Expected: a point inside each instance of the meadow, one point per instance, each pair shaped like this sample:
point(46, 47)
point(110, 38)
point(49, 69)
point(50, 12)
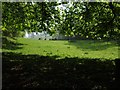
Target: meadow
point(75, 64)
point(66, 48)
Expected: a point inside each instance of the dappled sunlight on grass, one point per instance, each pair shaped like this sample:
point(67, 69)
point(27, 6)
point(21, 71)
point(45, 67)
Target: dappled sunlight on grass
point(37, 71)
point(64, 48)
point(59, 64)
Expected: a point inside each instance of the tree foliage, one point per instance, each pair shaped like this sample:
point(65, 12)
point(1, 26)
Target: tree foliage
point(80, 19)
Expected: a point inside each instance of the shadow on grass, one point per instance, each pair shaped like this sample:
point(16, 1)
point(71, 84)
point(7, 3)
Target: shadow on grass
point(92, 44)
point(35, 71)
point(10, 44)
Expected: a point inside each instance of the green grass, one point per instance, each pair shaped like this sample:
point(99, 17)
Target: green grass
point(64, 48)
point(34, 64)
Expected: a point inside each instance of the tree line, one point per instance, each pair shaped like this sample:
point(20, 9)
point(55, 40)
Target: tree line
point(93, 20)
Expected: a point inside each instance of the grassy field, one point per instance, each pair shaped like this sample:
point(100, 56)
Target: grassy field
point(29, 63)
point(64, 48)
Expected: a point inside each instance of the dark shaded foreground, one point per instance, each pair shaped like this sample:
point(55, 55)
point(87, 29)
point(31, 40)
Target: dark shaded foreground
point(34, 71)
